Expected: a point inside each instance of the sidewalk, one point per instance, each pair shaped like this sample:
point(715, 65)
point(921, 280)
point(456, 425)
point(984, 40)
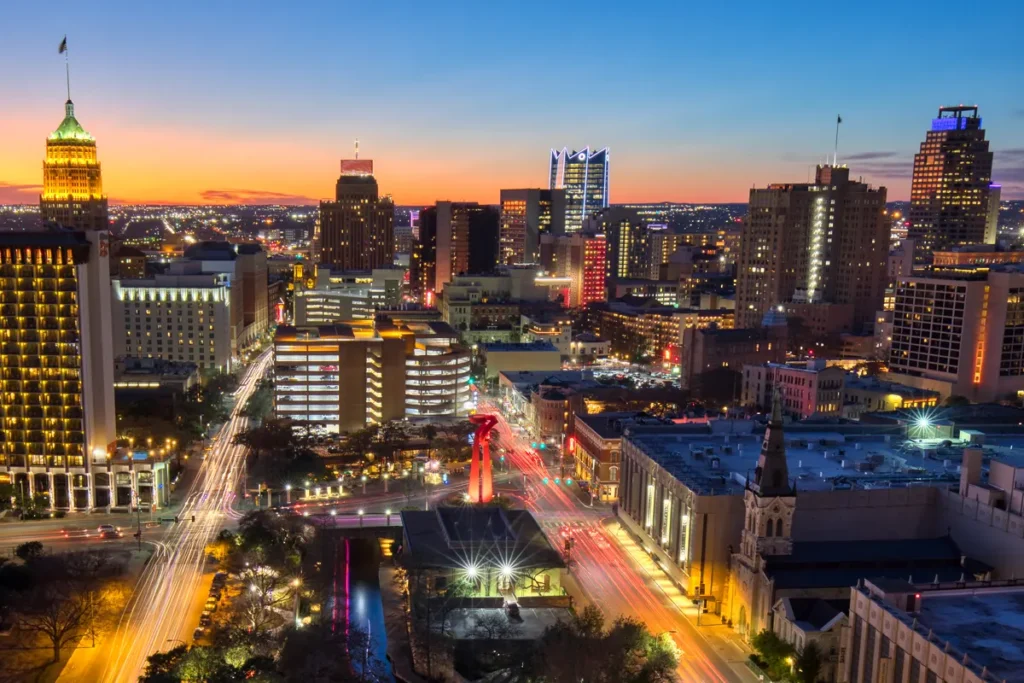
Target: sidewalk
point(726, 643)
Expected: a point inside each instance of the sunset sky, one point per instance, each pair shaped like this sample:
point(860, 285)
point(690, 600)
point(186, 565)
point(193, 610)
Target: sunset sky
point(697, 101)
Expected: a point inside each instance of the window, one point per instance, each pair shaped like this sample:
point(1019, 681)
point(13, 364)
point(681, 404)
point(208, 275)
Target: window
point(770, 530)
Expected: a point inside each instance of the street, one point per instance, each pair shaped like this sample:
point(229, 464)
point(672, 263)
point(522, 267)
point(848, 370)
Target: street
point(616, 575)
point(162, 611)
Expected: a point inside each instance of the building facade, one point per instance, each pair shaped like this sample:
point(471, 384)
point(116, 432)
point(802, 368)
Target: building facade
point(72, 182)
point(176, 318)
point(628, 254)
point(806, 390)
point(950, 193)
point(526, 215)
point(960, 334)
point(823, 242)
point(467, 240)
point(583, 175)
point(423, 260)
point(582, 258)
point(356, 230)
point(57, 403)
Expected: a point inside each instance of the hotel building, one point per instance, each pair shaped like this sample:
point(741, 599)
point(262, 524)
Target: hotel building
point(185, 317)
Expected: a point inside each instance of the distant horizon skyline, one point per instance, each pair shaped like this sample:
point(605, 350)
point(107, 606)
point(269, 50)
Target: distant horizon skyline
point(206, 105)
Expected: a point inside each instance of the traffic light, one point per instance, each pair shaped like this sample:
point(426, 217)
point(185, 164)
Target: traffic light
point(558, 481)
point(533, 444)
point(568, 482)
point(542, 445)
point(471, 381)
point(546, 480)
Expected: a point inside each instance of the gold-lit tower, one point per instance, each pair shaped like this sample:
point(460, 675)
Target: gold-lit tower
point(72, 184)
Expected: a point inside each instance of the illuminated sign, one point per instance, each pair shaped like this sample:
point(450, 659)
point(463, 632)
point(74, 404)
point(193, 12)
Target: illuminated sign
point(357, 167)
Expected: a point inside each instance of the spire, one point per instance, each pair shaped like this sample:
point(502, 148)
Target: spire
point(771, 477)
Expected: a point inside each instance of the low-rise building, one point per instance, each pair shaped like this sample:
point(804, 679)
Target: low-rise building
point(555, 329)
point(870, 394)
point(802, 621)
point(337, 296)
point(807, 388)
point(959, 630)
point(154, 374)
point(705, 350)
point(534, 356)
point(499, 552)
point(587, 347)
point(596, 449)
point(539, 401)
point(665, 292)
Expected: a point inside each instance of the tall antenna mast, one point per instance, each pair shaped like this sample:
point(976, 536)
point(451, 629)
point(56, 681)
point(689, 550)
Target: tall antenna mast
point(357, 148)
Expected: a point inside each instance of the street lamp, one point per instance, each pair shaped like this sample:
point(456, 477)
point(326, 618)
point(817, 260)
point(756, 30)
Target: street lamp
point(363, 479)
point(361, 513)
point(386, 476)
point(388, 513)
point(288, 493)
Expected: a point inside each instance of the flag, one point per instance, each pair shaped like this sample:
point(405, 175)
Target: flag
point(839, 119)
point(63, 46)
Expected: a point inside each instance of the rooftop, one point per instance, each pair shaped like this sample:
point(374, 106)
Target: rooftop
point(453, 537)
point(987, 625)
point(814, 614)
point(70, 130)
point(611, 424)
point(537, 346)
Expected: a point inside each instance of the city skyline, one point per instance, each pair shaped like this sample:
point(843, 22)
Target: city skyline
point(216, 108)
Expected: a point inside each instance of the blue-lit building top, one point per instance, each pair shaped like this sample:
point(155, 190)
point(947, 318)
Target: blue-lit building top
point(584, 177)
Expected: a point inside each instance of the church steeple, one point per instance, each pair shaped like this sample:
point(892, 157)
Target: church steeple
point(771, 477)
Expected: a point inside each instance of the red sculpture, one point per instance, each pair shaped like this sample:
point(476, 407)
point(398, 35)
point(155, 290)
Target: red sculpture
point(481, 486)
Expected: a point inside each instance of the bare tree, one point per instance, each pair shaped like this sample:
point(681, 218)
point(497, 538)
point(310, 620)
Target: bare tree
point(496, 627)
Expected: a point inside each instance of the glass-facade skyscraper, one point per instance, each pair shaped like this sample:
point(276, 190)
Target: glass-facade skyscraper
point(584, 177)
point(950, 192)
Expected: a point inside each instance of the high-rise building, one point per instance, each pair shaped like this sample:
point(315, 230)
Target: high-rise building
point(525, 216)
point(582, 258)
point(663, 243)
point(584, 177)
point(57, 403)
point(960, 332)
point(629, 254)
point(72, 184)
point(822, 243)
point(949, 195)
point(423, 260)
point(467, 240)
point(356, 231)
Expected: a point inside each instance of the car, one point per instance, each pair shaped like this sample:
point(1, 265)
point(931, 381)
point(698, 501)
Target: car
point(211, 605)
point(204, 619)
point(512, 609)
point(108, 535)
point(75, 533)
point(103, 528)
point(198, 633)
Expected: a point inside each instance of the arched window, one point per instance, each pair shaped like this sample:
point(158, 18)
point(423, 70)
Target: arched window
point(778, 527)
point(768, 531)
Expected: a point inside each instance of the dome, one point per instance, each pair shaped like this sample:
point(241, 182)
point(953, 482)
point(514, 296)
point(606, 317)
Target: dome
point(70, 128)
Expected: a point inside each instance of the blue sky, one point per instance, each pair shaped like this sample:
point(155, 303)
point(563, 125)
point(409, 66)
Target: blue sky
point(697, 101)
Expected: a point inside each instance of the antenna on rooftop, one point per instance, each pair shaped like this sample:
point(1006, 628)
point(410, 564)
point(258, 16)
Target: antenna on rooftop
point(357, 148)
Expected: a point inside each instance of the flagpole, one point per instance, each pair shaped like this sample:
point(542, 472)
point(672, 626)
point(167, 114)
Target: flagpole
point(835, 150)
point(67, 68)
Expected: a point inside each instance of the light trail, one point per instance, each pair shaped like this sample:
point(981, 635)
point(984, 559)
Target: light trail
point(165, 591)
point(606, 572)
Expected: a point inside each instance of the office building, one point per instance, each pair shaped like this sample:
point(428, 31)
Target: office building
point(629, 254)
point(960, 333)
point(808, 389)
point(423, 260)
point(662, 245)
point(950, 190)
point(501, 357)
point(57, 404)
point(871, 394)
point(245, 266)
point(665, 292)
point(356, 230)
point(816, 243)
point(72, 182)
point(526, 215)
point(582, 259)
point(339, 378)
point(128, 262)
point(973, 255)
point(492, 301)
point(467, 240)
point(180, 317)
point(584, 177)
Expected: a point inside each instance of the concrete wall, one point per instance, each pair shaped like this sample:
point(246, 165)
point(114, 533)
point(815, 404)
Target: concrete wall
point(993, 536)
point(865, 515)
